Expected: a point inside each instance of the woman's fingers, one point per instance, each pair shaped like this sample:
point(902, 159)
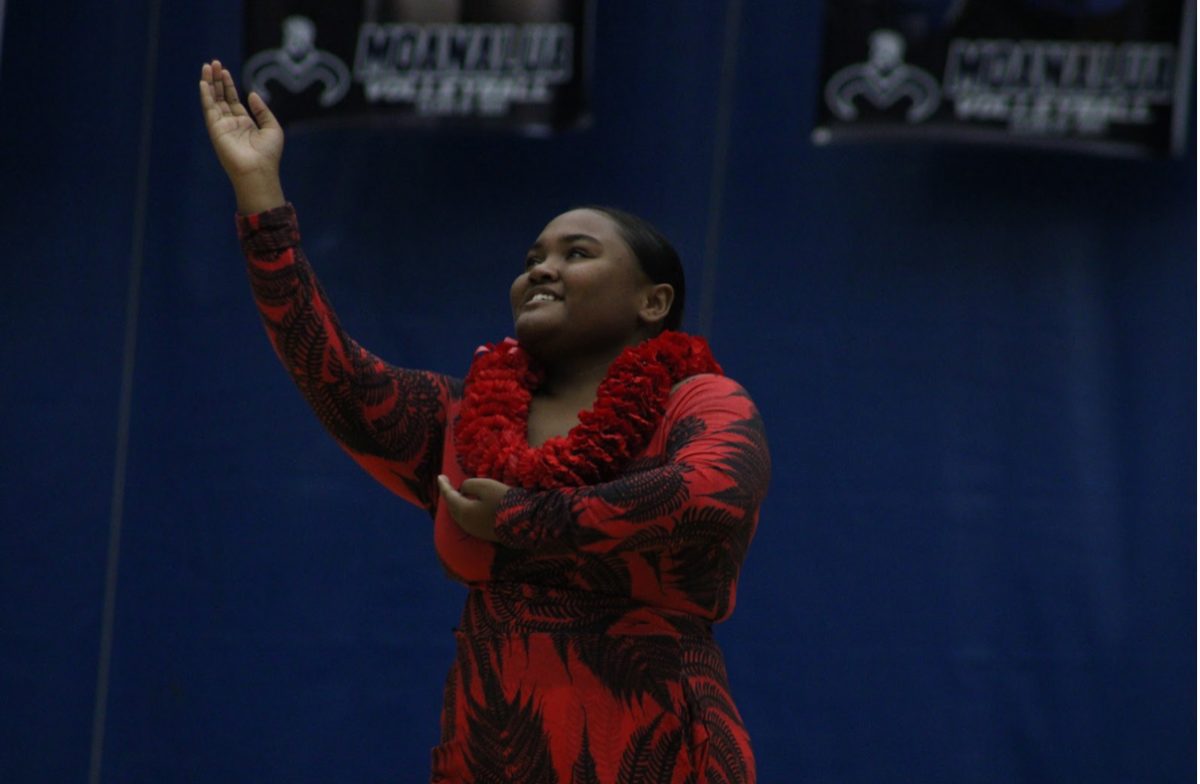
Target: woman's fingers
point(487, 490)
point(218, 86)
point(231, 94)
point(218, 95)
point(212, 92)
point(223, 91)
point(447, 489)
point(207, 99)
point(456, 502)
point(258, 108)
point(476, 516)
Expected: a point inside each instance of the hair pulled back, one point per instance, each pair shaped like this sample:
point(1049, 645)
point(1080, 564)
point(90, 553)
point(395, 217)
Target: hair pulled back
point(654, 254)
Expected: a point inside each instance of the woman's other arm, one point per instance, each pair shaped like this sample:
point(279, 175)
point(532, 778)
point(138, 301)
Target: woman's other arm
point(390, 420)
point(691, 516)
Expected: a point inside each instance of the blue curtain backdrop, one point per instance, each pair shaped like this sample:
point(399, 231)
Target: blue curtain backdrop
point(976, 366)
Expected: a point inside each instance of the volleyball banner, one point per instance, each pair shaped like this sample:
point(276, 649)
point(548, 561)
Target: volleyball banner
point(515, 64)
point(1104, 76)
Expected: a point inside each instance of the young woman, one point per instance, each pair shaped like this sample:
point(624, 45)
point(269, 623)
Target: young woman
point(594, 482)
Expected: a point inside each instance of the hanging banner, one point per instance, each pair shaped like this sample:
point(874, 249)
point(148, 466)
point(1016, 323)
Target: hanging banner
point(514, 64)
point(1104, 76)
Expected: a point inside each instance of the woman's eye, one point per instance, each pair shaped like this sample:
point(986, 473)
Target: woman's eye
point(576, 253)
point(531, 261)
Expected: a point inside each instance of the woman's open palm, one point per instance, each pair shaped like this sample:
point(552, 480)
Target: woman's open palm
point(247, 143)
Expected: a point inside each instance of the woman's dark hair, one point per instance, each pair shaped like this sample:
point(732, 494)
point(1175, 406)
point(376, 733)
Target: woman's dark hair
point(654, 253)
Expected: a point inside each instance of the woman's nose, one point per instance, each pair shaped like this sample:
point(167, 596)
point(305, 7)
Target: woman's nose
point(542, 271)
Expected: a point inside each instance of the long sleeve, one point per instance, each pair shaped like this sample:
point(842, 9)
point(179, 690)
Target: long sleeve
point(391, 421)
point(690, 514)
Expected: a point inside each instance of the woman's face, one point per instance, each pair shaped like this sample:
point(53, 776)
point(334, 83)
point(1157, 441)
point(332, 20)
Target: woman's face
point(582, 289)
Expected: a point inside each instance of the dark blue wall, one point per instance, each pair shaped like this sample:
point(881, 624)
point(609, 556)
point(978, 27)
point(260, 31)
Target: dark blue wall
point(977, 369)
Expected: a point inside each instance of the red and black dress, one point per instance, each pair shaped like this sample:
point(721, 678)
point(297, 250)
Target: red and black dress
point(585, 650)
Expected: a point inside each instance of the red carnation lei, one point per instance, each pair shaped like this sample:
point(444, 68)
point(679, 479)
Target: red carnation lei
point(491, 432)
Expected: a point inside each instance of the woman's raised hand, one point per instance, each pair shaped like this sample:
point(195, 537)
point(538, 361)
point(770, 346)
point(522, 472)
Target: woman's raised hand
point(249, 144)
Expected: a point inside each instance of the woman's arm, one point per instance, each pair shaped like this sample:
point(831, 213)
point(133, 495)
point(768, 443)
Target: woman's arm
point(713, 478)
point(684, 524)
point(392, 421)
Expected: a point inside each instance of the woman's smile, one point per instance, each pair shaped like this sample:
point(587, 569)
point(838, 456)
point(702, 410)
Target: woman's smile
point(541, 295)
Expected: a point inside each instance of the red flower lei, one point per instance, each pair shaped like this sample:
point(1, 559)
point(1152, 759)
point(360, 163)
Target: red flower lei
point(491, 432)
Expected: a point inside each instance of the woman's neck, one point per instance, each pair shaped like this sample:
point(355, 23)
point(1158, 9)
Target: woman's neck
point(577, 378)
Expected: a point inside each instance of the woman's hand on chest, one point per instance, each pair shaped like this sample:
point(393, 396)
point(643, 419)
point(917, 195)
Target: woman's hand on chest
point(473, 505)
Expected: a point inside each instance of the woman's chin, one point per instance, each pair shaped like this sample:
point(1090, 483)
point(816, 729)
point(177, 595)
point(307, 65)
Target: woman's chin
point(533, 325)
point(532, 333)
point(547, 343)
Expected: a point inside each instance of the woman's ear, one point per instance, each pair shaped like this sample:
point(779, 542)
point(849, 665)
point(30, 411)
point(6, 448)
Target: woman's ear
point(657, 303)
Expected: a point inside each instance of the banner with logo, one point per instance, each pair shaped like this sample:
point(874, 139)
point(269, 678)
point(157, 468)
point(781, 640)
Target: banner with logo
point(1105, 76)
point(518, 64)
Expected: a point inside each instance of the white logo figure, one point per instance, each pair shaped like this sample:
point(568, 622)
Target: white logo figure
point(883, 80)
point(299, 64)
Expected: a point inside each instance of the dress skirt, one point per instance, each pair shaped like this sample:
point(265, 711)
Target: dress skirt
point(556, 685)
